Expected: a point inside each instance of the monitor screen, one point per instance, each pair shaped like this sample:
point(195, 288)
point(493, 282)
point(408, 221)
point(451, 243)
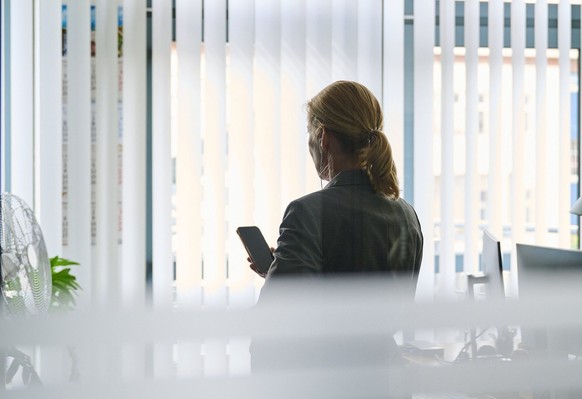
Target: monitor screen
point(538, 264)
point(492, 266)
point(541, 269)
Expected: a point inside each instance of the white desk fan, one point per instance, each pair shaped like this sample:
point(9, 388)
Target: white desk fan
point(25, 275)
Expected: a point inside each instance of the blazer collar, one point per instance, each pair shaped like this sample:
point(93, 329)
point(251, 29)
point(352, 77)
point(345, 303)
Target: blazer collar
point(354, 177)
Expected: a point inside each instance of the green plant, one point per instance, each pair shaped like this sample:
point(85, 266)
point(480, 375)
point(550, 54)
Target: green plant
point(65, 288)
point(64, 285)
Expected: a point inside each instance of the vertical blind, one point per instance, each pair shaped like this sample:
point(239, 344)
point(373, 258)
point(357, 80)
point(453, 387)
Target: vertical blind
point(471, 93)
point(423, 139)
point(495, 194)
point(541, 98)
point(229, 81)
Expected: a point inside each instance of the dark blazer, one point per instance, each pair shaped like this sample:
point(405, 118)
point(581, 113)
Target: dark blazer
point(347, 228)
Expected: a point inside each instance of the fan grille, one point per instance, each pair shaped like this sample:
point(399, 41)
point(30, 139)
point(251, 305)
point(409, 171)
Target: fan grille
point(25, 271)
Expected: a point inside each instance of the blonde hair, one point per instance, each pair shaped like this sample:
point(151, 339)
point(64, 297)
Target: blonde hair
point(353, 113)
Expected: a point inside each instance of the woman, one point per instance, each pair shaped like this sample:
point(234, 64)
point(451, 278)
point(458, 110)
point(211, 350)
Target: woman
point(357, 224)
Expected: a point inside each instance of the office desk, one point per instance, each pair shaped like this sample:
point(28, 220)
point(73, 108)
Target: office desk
point(443, 358)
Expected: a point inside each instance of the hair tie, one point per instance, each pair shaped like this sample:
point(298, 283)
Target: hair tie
point(370, 136)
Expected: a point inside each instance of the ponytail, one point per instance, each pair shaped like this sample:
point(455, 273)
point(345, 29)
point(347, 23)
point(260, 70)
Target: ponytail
point(376, 159)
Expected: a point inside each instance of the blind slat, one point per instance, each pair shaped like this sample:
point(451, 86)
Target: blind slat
point(294, 148)
point(162, 256)
point(50, 126)
point(495, 183)
point(106, 277)
point(518, 127)
point(22, 115)
point(447, 237)
point(344, 44)
point(267, 90)
point(564, 204)
point(78, 193)
point(241, 166)
point(134, 172)
point(134, 151)
point(423, 139)
point(393, 82)
point(541, 61)
point(318, 65)
point(188, 155)
point(369, 46)
point(214, 178)
point(162, 267)
point(518, 110)
point(214, 156)
point(472, 182)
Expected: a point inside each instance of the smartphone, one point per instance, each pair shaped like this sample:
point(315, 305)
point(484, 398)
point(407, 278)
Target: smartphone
point(256, 247)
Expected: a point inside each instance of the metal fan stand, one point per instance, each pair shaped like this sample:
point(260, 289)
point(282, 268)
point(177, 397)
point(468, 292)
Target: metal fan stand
point(2, 348)
point(3, 355)
point(2, 370)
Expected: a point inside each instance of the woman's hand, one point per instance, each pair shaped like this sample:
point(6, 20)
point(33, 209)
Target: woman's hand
point(254, 267)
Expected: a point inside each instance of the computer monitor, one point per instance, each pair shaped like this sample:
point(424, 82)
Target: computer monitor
point(492, 269)
point(541, 269)
point(492, 266)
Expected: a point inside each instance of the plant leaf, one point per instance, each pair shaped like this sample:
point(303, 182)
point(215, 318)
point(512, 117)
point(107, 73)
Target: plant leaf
point(64, 284)
point(26, 375)
point(35, 380)
point(58, 261)
point(11, 372)
point(63, 279)
point(66, 298)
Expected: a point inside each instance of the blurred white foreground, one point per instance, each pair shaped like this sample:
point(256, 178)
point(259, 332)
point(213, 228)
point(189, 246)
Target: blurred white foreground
point(205, 353)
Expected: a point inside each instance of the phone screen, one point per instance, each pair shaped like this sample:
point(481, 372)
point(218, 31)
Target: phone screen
point(256, 247)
